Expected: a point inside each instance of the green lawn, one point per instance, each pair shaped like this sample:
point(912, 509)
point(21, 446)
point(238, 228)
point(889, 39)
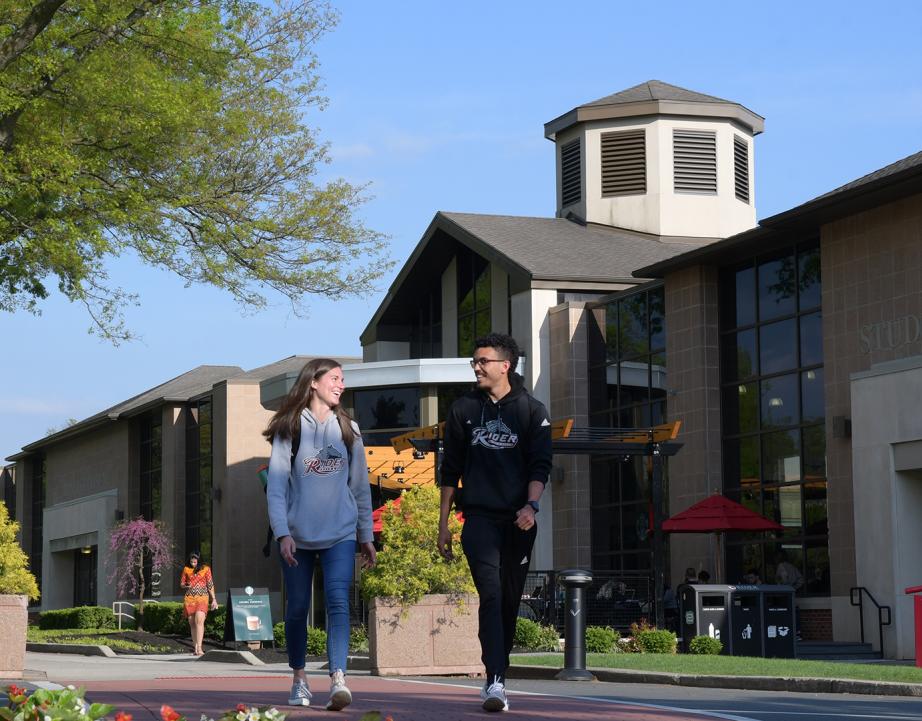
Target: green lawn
point(733, 666)
point(104, 636)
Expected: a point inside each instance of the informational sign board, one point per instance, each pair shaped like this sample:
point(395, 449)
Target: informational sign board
point(249, 616)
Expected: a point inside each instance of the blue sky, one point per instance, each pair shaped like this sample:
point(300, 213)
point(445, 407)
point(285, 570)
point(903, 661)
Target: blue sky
point(441, 107)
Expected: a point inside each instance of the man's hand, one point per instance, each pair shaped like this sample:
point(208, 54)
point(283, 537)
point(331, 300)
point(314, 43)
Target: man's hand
point(445, 544)
point(369, 554)
point(287, 548)
point(525, 517)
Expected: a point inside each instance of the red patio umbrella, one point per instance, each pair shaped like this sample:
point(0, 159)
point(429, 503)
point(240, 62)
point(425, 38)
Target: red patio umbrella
point(718, 514)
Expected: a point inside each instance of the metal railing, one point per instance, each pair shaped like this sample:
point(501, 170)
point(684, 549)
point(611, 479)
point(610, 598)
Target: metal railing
point(856, 597)
point(614, 599)
point(117, 607)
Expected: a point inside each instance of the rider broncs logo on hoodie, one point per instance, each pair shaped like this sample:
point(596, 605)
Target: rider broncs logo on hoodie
point(495, 435)
point(324, 462)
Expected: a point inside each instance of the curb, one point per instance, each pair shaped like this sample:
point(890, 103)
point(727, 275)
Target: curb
point(222, 656)
point(83, 649)
point(751, 683)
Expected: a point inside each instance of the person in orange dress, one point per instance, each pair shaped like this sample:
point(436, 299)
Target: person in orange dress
point(196, 579)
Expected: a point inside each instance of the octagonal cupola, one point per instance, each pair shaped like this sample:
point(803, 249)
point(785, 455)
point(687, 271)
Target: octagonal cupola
point(659, 159)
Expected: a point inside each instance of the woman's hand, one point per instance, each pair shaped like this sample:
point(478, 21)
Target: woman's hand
point(287, 548)
point(369, 554)
point(214, 604)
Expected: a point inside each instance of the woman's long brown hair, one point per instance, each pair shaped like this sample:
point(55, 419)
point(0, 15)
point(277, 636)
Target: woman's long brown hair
point(287, 419)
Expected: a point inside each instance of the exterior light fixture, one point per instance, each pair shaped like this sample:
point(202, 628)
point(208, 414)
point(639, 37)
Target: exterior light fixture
point(775, 402)
point(742, 390)
point(811, 375)
point(398, 468)
point(418, 454)
point(86, 550)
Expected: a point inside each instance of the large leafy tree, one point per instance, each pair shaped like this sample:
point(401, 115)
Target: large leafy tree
point(171, 131)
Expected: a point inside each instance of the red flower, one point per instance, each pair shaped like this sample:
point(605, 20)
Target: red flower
point(14, 690)
point(241, 707)
point(168, 714)
point(122, 716)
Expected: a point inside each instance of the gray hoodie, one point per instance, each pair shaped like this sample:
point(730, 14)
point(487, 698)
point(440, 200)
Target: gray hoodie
point(325, 499)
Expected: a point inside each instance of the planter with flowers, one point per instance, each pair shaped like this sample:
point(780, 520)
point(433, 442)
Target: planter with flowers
point(17, 586)
point(422, 609)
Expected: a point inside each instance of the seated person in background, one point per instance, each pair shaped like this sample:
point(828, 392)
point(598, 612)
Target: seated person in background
point(704, 576)
point(752, 579)
point(690, 576)
point(786, 573)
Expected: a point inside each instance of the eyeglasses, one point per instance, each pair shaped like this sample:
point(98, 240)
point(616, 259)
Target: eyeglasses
point(482, 362)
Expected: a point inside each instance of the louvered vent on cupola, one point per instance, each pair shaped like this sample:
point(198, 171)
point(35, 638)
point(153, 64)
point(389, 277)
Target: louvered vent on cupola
point(695, 161)
point(741, 168)
point(624, 163)
point(570, 176)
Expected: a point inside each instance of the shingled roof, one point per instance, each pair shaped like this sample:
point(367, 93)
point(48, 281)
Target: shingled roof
point(654, 97)
point(656, 90)
point(178, 389)
point(559, 249)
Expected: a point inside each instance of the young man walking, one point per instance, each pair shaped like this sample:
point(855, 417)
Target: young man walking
point(498, 440)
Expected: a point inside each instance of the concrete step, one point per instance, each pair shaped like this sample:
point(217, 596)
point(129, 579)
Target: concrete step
point(835, 650)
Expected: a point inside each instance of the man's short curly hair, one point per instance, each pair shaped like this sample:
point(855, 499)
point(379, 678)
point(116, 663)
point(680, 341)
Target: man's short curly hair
point(505, 344)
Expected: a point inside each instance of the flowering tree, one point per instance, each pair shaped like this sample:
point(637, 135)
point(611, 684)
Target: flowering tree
point(130, 544)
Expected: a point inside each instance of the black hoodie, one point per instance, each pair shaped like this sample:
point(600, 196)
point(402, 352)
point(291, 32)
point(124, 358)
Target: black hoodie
point(498, 448)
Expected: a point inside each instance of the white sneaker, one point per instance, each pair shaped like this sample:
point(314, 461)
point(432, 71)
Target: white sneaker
point(494, 696)
point(300, 694)
point(340, 695)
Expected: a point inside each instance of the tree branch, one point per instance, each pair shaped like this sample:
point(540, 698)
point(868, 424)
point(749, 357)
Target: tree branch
point(37, 20)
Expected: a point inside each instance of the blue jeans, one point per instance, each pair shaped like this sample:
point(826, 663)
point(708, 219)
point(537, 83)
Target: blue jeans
point(337, 563)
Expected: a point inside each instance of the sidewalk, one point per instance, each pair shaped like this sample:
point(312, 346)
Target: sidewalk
point(140, 685)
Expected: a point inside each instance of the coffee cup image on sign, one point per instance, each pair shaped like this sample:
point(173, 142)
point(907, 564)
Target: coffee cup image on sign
point(253, 623)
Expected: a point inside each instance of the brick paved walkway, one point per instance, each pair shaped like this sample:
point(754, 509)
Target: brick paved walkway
point(402, 699)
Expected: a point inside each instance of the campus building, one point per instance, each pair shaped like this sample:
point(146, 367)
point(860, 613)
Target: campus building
point(790, 349)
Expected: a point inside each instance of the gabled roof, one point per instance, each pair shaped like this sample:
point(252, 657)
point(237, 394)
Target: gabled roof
point(552, 251)
point(560, 249)
point(885, 185)
point(179, 389)
point(655, 97)
point(287, 365)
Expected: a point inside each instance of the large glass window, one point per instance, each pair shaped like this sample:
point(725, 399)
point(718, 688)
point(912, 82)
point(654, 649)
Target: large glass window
point(627, 377)
point(151, 463)
point(426, 332)
point(773, 412)
point(474, 291)
point(385, 412)
point(199, 463)
point(38, 513)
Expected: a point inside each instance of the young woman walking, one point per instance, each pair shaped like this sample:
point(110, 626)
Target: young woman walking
point(196, 579)
point(319, 509)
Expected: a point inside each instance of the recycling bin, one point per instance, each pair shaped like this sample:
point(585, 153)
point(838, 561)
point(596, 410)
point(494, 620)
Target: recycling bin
point(779, 621)
point(704, 610)
point(746, 621)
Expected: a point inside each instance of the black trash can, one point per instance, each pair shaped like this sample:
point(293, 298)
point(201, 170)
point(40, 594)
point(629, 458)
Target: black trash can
point(746, 637)
point(704, 610)
point(779, 623)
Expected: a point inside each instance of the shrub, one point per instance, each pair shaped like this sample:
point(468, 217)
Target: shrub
point(409, 565)
point(648, 639)
point(15, 578)
point(214, 623)
point(549, 640)
point(527, 633)
point(601, 639)
point(705, 645)
point(358, 639)
point(80, 617)
point(167, 617)
point(316, 639)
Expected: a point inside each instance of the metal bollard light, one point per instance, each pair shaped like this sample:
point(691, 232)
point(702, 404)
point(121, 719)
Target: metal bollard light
point(575, 582)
